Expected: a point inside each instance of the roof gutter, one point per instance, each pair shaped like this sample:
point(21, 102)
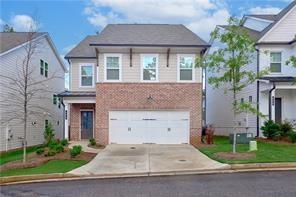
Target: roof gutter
point(150, 45)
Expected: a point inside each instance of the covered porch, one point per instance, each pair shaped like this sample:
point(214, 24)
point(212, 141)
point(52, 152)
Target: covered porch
point(278, 100)
point(80, 113)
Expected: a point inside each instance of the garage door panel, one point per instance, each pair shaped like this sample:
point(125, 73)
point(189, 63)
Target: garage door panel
point(137, 127)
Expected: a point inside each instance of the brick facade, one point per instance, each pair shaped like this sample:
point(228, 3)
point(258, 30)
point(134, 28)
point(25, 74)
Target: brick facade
point(133, 96)
point(75, 119)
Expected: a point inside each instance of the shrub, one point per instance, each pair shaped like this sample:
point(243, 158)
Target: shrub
point(64, 142)
point(285, 128)
point(53, 143)
point(51, 152)
point(59, 148)
point(292, 136)
point(40, 151)
point(76, 150)
point(92, 142)
point(271, 130)
point(48, 134)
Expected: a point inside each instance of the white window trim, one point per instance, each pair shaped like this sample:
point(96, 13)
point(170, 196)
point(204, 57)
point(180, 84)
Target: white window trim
point(119, 55)
point(269, 61)
point(93, 75)
point(142, 68)
point(178, 68)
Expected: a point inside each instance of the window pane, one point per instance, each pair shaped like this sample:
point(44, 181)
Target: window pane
point(46, 66)
point(54, 99)
point(186, 62)
point(275, 67)
point(41, 67)
point(149, 74)
point(86, 81)
point(149, 62)
point(112, 74)
point(186, 74)
point(112, 62)
point(45, 73)
point(275, 57)
point(86, 70)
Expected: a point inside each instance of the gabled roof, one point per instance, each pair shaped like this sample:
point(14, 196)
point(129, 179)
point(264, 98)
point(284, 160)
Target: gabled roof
point(255, 35)
point(270, 17)
point(10, 40)
point(278, 17)
point(83, 49)
point(142, 35)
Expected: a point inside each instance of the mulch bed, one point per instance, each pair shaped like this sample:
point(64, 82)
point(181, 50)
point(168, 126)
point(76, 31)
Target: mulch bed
point(97, 146)
point(236, 156)
point(34, 160)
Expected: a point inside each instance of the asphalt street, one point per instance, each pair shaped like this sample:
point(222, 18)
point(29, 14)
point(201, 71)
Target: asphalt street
point(252, 184)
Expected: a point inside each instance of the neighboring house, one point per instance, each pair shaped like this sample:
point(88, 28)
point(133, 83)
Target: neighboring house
point(274, 94)
point(136, 83)
point(44, 62)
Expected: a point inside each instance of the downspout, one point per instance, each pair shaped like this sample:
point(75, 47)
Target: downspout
point(270, 98)
point(204, 92)
point(258, 90)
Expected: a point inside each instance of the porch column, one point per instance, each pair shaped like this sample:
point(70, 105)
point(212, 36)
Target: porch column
point(272, 111)
point(67, 120)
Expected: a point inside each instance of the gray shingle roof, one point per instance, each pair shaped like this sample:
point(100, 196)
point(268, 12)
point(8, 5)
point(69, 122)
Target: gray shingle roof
point(279, 79)
point(83, 50)
point(255, 35)
point(77, 94)
point(157, 35)
point(270, 17)
point(10, 40)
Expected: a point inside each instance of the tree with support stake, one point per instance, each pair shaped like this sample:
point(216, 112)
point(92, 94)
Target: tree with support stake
point(228, 67)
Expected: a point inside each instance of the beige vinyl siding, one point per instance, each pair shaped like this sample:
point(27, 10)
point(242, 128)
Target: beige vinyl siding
point(74, 74)
point(133, 73)
point(10, 63)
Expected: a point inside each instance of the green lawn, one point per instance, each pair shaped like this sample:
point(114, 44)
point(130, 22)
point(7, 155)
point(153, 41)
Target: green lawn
point(15, 155)
point(267, 152)
point(54, 166)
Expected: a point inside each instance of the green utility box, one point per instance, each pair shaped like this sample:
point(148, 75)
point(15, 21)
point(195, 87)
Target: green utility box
point(241, 138)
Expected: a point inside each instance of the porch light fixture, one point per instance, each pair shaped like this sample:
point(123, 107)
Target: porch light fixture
point(150, 99)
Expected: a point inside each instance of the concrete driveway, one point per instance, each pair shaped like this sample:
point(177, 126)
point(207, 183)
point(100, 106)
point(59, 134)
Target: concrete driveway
point(148, 158)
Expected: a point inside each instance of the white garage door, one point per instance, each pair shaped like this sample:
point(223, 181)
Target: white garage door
point(138, 127)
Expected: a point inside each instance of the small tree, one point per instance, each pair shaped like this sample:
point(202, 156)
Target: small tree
point(229, 66)
point(292, 61)
point(24, 93)
point(7, 28)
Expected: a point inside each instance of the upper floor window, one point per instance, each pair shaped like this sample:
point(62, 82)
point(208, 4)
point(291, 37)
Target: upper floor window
point(275, 62)
point(54, 99)
point(43, 68)
point(149, 68)
point(186, 68)
point(113, 67)
point(86, 75)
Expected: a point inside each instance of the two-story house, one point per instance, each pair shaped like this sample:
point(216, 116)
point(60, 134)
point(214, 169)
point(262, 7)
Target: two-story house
point(274, 95)
point(44, 76)
point(136, 83)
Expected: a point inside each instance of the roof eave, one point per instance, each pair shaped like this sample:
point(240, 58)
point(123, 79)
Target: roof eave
point(152, 45)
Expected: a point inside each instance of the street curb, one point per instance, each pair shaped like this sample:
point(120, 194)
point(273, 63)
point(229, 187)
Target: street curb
point(234, 168)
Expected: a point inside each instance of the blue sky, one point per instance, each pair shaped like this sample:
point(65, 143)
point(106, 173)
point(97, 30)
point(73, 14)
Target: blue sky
point(69, 21)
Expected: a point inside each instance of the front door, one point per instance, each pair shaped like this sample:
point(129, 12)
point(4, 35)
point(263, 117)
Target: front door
point(278, 110)
point(86, 124)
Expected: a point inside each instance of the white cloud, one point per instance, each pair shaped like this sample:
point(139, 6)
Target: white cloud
point(2, 22)
point(201, 16)
point(265, 10)
point(23, 23)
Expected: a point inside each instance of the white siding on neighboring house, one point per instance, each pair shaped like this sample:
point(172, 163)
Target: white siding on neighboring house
point(284, 30)
point(35, 133)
